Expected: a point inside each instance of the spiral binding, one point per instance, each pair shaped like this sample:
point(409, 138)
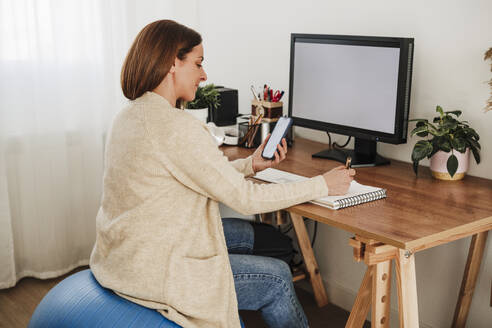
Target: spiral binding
point(359, 199)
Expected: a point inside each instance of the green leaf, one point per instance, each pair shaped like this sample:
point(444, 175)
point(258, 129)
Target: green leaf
point(454, 112)
point(419, 120)
point(435, 147)
point(421, 150)
point(449, 121)
point(472, 132)
point(449, 124)
point(443, 144)
point(476, 154)
point(473, 143)
point(438, 132)
point(415, 167)
point(436, 119)
point(439, 110)
point(449, 118)
point(459, 144)
point(459, 133)
point(421, 130)
point(452, 165)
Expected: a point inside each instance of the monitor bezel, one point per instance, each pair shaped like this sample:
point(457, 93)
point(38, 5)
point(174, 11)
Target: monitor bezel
point(403, 90)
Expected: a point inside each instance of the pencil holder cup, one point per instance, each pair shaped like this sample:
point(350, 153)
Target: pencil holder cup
point(270, 109)
point(249, 135)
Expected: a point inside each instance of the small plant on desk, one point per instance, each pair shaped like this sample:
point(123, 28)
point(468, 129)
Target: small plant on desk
point(449, 146)
point(206, 102)
point(205, 97)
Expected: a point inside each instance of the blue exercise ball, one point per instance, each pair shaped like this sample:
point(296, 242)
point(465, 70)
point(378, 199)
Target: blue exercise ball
point(79, 301)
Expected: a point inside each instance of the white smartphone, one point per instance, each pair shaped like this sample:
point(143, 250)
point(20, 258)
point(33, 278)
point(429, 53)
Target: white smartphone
point(279, 132)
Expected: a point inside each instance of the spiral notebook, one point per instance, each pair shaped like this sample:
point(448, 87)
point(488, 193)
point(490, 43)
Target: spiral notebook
point(357, 193)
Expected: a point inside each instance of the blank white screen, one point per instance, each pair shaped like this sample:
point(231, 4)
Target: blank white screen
point(348, 85)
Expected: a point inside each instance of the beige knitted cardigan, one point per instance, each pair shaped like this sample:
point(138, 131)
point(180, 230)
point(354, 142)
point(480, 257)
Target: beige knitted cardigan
point(159, 240)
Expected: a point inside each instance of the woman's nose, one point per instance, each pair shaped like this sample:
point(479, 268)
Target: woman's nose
point(204, 76)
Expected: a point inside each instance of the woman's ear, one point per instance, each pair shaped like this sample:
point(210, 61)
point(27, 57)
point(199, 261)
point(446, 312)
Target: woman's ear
point(177, 63)
point(172, 70)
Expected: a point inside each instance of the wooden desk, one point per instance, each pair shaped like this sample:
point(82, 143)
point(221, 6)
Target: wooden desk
point(418, 213)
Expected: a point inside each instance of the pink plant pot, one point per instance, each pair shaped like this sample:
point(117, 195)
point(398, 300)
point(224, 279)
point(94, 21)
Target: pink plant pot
point(438, 165)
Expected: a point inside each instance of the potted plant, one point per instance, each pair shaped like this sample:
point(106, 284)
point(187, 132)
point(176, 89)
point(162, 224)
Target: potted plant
point(206, 102)
point(449, 145)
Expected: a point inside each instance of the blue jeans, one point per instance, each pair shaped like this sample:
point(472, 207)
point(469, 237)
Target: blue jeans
point(262, 283)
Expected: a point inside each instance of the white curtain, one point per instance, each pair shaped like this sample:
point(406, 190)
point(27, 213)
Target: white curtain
point(59, 88)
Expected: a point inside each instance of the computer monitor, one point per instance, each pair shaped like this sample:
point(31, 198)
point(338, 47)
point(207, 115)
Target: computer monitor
point(356, 86)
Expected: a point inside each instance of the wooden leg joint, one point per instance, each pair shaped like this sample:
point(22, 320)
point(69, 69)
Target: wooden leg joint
point(370, 251)
point(359, 244)
point(359, 249)
point(379, 253)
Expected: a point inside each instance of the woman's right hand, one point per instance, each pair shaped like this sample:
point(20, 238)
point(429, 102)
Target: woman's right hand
point(338, 180)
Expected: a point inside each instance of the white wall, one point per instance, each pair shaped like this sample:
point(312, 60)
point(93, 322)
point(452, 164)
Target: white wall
point(248, 42)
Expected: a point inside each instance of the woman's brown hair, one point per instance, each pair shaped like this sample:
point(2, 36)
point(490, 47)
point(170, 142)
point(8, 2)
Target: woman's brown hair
point(152, 55)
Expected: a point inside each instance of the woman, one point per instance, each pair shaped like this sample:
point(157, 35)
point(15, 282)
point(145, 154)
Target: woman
point(160, 241)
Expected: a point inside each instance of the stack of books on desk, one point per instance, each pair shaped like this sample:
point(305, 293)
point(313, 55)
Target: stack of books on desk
point(357, 193)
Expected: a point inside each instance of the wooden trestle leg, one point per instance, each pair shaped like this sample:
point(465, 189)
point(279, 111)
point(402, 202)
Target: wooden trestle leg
point(407, 289)
point(472, 268)
point(309, 260)
point(362, 302)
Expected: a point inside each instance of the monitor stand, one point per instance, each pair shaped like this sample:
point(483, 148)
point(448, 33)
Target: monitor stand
point(364, 154)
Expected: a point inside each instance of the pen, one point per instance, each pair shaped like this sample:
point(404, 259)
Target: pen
point(253, 135)
point(254, 92)
point(250, 130)
point(348, 162)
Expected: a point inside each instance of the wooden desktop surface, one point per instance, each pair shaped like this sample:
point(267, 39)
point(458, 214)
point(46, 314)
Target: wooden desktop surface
point(418, 213)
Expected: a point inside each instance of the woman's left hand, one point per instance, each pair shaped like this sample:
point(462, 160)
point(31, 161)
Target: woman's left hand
point(260, 163)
